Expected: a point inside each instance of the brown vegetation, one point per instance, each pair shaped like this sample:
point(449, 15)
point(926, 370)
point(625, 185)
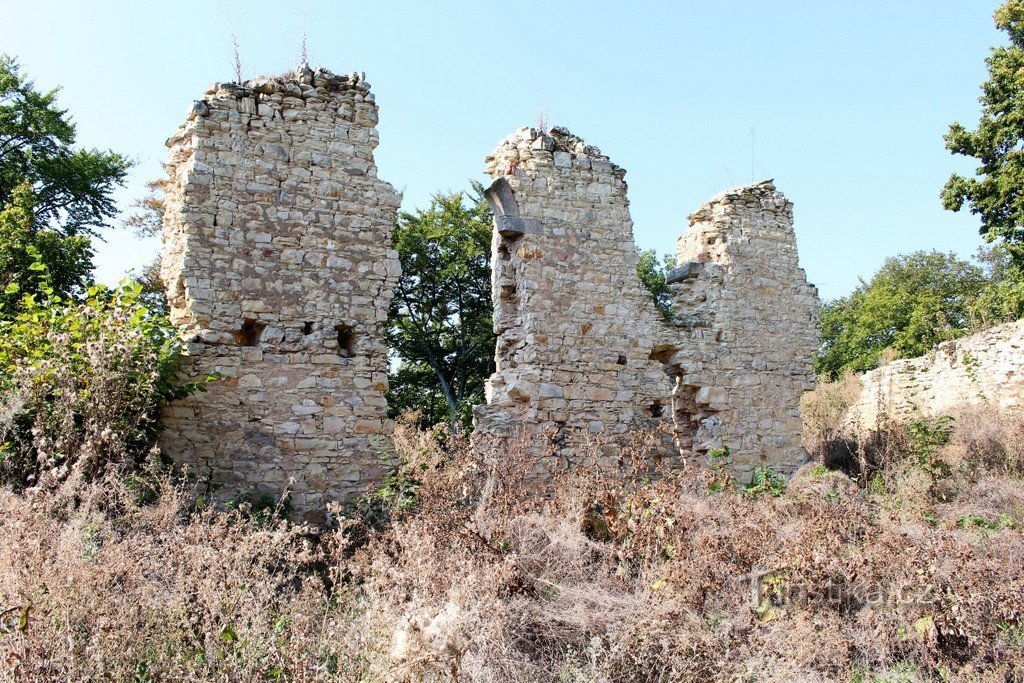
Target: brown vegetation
point(461, 568)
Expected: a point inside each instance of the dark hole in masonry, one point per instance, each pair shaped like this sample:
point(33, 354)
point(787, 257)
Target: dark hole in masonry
point(250, 333)
point(346, 340)
point(656, 409)
point(662, 353)
point(307, 328)
point(621, 360)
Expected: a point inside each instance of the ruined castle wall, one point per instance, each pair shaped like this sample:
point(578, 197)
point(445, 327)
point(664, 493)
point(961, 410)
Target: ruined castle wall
point(986, 368)
point(747, 326)
point(581, 347)
point(576, 328)
point(279, 272)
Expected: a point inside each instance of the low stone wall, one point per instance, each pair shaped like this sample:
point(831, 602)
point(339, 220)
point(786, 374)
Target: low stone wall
point(984, 369)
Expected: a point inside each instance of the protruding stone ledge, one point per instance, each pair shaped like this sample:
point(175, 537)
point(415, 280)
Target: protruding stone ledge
point(686, 271)
point(515, 226)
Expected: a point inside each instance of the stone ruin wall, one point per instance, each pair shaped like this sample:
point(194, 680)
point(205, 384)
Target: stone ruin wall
point(576, 328)
point(279, 272)
point(746, 327)
point(986, 368)
point(582, 350)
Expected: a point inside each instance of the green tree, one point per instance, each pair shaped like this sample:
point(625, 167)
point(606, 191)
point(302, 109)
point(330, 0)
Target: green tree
point(440, 324)
point(652, 274)
point(996, 195)
point(911, 304)
point(53, 197)
point(73, 187)
point(1002, 298)
point(36, 260)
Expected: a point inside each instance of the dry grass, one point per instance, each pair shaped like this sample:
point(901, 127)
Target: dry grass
point(463, 568)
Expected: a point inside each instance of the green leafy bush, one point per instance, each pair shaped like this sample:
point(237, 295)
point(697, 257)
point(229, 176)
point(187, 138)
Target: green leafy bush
point(81, 385)
point(767, 480)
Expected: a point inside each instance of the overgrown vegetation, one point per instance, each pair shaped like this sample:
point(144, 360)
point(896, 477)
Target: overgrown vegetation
point(464, 567)
point(652, 274)
point(81, 384)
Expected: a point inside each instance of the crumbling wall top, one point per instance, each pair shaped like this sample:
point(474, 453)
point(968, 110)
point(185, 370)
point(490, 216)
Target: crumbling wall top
point(303, 82)
point(558, 147)
point(763, 192)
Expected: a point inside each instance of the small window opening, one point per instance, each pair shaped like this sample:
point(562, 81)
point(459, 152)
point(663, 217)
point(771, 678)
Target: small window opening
point(656, 409)
point(346, 340)
point(250, 333)
point(621, 360)
point(307, 328)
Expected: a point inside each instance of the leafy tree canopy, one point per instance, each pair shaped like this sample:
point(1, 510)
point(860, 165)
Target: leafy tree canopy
point(440, 325)
point(912, 303)
point(73, 187)
point(996, 194)
point(33, 261)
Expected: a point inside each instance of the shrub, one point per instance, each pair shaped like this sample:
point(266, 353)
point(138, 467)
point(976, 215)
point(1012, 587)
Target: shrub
point(81, 384)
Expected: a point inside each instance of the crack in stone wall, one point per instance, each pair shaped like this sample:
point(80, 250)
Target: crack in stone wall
point(279, 273)
point(582, 349)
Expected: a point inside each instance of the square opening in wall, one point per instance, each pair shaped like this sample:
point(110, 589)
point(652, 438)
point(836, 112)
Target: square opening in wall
point(250, 333)
point(346, 340)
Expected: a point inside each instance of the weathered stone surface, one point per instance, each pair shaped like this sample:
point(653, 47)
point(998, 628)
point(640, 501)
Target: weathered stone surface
point(746, 328)
point(279, 271)
point(984, 368)
point(573, 318)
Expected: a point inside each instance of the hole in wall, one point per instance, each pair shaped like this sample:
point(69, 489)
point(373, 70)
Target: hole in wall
point(686, 415)
point(621, 360)
point(346, 340)
point(656, 409)
point(662, 353)
point(307, 328)
point(250, 333)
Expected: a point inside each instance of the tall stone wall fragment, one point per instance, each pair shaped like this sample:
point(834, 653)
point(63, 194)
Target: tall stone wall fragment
point(279, 272)
point(578, 334)
point(581, 347)
point(747, 326)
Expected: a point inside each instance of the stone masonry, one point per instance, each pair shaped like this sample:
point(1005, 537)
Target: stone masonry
point(986, 368)
point(279, 272)
point(578, 334)
point(279, 275)
point(746, 327)
point(583, 351)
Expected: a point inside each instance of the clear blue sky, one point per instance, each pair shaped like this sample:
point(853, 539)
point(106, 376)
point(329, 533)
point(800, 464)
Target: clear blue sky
point(849, 99)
